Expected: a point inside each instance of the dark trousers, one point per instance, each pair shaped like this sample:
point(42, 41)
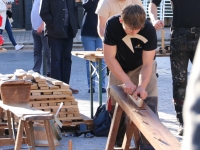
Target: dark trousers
point(40, 44)
point(183, 46)
point(60, 58)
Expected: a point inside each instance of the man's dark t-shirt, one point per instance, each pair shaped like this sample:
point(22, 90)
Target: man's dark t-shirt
point(114, 33)
point(186, 13)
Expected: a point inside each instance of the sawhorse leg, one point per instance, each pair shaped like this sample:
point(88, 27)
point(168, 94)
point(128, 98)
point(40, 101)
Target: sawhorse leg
point(114, 127)
point(131, 131)
point(49, 135)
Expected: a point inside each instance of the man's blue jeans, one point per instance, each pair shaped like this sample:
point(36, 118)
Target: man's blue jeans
point(60, 58)
point(91, 43)
point(40, 43)
point(9, 31)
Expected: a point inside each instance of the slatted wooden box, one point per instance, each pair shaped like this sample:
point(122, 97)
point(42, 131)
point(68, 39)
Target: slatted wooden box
point(15, 91)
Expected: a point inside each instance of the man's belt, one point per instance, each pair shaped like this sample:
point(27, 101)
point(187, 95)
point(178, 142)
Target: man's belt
point(191, 30)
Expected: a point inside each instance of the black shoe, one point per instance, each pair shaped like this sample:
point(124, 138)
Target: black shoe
point(48, 75)
point(93, 90)
point(180, 129)
point(103, 90)
point(74, 91)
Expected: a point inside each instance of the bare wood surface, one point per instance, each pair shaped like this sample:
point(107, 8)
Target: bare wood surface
point(21, 109)
point(70, 145)
point(128, 136)
point(51, 96)
point(38, 117)
point(146, 121)
point(163, 39)
point(52, 90)
point(6, 141)
point(18, 141)
point(53, 81)
point(114, 127)
point(49, 135)
point(31, 136)
point(89, 55)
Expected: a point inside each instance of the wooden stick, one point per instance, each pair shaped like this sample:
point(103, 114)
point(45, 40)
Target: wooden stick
point(70, 145)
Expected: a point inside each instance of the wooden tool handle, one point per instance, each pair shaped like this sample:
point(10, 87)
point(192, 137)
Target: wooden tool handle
point(139, 102)
point(163, 39)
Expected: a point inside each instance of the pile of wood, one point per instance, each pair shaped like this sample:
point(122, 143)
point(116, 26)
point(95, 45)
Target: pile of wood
point(47, 94)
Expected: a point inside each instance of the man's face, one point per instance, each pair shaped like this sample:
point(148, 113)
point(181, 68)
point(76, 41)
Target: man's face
point(128, 29)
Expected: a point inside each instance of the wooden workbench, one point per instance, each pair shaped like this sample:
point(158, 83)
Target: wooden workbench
point(97, 56)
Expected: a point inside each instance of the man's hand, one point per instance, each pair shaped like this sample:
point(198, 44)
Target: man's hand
point(158, 24)
point(129, 87)
point(41, 28)
point(140, 92)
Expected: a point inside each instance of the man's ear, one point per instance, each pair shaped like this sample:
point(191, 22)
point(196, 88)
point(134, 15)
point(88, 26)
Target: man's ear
point(120, 20)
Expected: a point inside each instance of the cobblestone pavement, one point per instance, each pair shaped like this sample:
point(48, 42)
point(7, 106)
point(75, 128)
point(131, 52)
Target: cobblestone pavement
point(25, 37)
point(12, 60)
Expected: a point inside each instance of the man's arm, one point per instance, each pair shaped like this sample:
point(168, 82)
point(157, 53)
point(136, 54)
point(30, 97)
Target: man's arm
point(115, 68)
point(152, 10)
point(145, 73)
point(101, 26)
point(45, 12)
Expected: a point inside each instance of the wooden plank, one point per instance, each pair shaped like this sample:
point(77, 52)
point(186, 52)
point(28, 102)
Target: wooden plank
point(21, 109)
point(35, 94)
point(51, 96)
point(114, 127)
point(54, 81)
point(49, 135)
point(6, 141)
point(146, 121)
point(19, 135)
point(52, 90)
point(52, 86)
point(44, 87)
point(51, 101)
point(47, 93)
point(57, 93)
point(47, 107)
point(70, 118)
point(128, 136)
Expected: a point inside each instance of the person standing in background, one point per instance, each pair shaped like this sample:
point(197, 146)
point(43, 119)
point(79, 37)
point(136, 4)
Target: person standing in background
point(185, 33)
point(39, 40)
point(9, 29)
point(108, 8)
point(61, 26)
point(3, 17)
point(191, 111)
point(90, 38)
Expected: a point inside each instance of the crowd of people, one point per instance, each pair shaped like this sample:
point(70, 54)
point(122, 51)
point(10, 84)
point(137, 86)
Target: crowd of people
point(111, 25)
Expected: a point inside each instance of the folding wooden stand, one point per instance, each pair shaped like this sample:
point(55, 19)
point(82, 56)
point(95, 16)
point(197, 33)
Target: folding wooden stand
point(26, 118)
point(15, 95)
point(141, 119)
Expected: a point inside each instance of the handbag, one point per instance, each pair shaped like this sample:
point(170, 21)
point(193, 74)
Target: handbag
point(1, 20)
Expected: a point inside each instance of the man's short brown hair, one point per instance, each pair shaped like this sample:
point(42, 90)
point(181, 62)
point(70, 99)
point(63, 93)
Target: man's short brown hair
point(133, 16)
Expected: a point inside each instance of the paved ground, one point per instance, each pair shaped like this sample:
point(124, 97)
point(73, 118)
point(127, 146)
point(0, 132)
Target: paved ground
point(12, 60)
point(25, 37)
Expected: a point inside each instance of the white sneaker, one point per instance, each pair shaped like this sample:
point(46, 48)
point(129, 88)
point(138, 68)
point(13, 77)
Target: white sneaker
point(18, 47)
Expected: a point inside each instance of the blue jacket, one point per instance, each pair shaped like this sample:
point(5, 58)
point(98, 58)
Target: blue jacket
point(89, 23)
